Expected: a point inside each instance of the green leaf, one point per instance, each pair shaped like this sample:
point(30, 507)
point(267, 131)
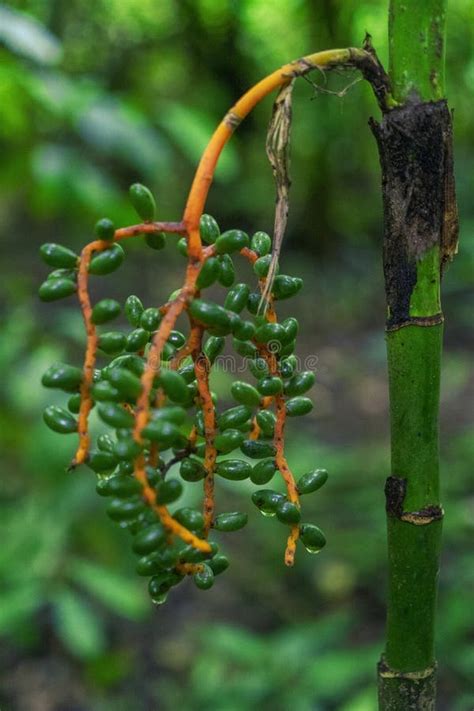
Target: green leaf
point(121, 594)
point(77, 624)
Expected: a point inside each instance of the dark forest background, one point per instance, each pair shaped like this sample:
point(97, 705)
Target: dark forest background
point(95, 96)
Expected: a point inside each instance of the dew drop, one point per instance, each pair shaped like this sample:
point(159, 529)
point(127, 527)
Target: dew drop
point(160, 599)
point(313, 549)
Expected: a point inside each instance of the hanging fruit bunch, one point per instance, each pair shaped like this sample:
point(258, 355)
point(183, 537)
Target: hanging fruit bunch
point(162, 426)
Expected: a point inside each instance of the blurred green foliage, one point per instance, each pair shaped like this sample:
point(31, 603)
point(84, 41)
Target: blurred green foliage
point(94, 97)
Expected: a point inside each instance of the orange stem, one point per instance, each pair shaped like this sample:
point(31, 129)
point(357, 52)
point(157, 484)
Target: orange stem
point(207, 165)
point(91, 348)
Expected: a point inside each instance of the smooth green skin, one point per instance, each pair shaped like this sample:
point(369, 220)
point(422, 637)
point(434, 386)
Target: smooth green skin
point(143, 202)
point(150, 319)
point(107, 261)
point(105, 229)
point(59, 420)
point(137, 340)
point(133, 310)
point(231, 521)
point(416, 43)
point(209, 229)
point(55, 289)
point(62, 376)
point(157, 240)
point(234, 469)
point(105, 310)
point(58, 256)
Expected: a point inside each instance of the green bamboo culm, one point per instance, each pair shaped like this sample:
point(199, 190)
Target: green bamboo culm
point(420, 232)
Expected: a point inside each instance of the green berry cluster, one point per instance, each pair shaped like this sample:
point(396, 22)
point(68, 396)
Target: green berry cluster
point(185, 438)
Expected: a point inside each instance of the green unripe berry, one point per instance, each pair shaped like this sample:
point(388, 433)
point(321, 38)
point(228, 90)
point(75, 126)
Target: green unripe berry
point(62, 376)
point(291, 327)
point(182, 246)
point(270, 386)
point(267, 501)
point(105, 443)
point(165, 433)
point(312, 537)
point(261, 243)
point(105, 392)
point(244, 348)
point(286, 286)
point(112, 342)
point(209, 229)
point(213, 347)
point(174, 385)
point(237, 298)
point(128, 385)
point(263, 472)
point(298, 406)
point(210, 314)
point(244, 330)
point(133, 310)
point(231, 521)
point(270, 333)
point(234, 417)
point(150, 319)
point(262, 265)
point(205, 578)
point(256, 449)
point(209, 273)
point(59, 420)
point(105, 229)
point(105, 310)
point(245, 393)
point(74, 403)
point(127, 449)
point(58, 256)
point(125, 509)
point(55, 289)
point(300, 383)
point(312, 481)
point(101, 461)
point(148, 565)
point(288, 512)
point(122, 486)
point(158, 587)
point(231, 241)
point(170, 413)
point(143, 202)
point(192, 470)
point(266, 420)
point(234, 469)
point(287, 366)
point(192, 519)
point(218, 564)
point(253, 302)
point(137, 340)
point(169, 491)
point(228, 441)
point(107, 261)
point(259, 368)
point(115, 415)
point(227, 271)
point(155, 240)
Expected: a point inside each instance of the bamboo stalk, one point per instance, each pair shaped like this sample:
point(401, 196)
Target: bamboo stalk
point(420, 226)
